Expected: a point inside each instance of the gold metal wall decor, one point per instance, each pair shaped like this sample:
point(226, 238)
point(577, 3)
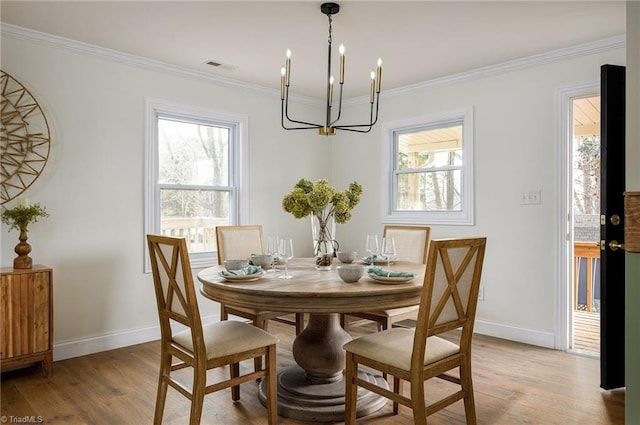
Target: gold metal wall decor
point(25, 139)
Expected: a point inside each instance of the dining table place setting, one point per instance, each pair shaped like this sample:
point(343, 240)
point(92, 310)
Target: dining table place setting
point(375, 259)
point(382, 275)
point(247, 273)
point(381, 255)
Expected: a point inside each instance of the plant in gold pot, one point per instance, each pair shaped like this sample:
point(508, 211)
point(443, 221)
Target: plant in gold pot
point(19, 218)
point(326, 206)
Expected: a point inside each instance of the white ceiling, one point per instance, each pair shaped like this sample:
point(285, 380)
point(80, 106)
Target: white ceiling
point(417, 40)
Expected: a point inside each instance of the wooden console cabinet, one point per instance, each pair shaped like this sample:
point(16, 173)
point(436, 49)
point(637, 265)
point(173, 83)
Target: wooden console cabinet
point(26, 317)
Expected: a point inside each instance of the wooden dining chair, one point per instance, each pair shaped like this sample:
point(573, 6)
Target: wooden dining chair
point(201, 347)
point(448, 302)
point(412, 244)
point(237, 242)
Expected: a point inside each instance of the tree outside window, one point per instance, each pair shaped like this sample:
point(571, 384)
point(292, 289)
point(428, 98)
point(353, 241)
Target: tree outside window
point(431, 169)
point(586, 183)
point(428, 169)
point(194, 170)
point(193, 165)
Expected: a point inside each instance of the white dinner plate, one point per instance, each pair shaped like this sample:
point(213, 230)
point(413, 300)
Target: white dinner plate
point(242, 277)
point(390, 280)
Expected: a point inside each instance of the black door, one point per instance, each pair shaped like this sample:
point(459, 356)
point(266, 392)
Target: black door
point(612, 79)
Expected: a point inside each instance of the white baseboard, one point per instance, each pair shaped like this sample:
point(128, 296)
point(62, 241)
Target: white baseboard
point(69, 349)
point(512, 333)
point(81, 347)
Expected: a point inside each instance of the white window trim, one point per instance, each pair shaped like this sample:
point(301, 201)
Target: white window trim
point(464, 217)
point(240, 156)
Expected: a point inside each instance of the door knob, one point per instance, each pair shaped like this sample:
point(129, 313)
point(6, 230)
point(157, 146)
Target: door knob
point(615, 245)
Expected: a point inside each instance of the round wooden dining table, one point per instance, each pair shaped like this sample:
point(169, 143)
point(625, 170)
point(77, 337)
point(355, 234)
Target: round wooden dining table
point(313, 389)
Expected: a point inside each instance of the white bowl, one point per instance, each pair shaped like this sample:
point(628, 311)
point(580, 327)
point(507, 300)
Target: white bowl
point(262, 260)
point(347, 256)
point(350, 272)
point(235, 264)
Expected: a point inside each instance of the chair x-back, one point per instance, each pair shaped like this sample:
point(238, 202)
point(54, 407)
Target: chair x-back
point(201, 347)
point(448, 302)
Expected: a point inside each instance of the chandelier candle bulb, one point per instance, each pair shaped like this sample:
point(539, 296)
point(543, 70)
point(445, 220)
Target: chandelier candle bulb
point(288, 65)
point(341, 50)
point(282, 78)
point(379, 75)
point(373, 86)
point(331, 91)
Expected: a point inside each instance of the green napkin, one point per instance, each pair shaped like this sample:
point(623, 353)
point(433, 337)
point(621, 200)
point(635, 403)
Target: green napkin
point(375, 258)
point(244, 271)
point(379, 271)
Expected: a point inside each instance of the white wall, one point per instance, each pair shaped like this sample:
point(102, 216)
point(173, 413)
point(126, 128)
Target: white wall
point(93, 184)
point(516, 119)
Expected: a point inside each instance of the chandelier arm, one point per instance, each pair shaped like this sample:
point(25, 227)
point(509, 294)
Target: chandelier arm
point(372, 120)
point(303, 128)
point(308, 126)
point(355, 130)
point(284, 113)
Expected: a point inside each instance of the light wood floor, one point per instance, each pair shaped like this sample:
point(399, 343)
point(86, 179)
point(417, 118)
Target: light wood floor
point(514, 384)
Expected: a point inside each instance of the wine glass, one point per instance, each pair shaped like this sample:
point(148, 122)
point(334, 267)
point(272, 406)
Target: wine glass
point(372, 248)
point(286, 251)
point(273, 249)
point(389, 249)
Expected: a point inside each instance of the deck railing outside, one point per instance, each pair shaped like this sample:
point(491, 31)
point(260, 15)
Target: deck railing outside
point(200, 233)
point(586, 276)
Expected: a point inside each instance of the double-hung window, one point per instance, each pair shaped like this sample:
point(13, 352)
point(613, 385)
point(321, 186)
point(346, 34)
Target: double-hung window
point(194, 175)
point(430, 169)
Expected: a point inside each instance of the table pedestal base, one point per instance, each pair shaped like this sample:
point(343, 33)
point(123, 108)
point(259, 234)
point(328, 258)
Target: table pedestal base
point(298, 398)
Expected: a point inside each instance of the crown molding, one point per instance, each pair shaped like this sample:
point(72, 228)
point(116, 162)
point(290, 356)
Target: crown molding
point(13, 31)
point(586, 49)
point(79, 47)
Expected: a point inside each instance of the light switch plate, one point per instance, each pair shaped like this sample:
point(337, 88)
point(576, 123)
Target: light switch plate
point(531, 197)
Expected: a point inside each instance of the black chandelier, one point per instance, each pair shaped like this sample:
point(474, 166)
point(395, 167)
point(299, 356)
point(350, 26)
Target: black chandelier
point(330, 126)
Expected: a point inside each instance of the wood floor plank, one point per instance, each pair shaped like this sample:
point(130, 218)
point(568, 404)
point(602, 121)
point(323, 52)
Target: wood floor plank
point(514, 384)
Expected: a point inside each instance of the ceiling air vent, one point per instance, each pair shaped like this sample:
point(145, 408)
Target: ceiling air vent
point(220, 65)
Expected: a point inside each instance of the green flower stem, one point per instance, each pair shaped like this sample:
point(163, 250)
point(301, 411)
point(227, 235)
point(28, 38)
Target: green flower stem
point(324, 235)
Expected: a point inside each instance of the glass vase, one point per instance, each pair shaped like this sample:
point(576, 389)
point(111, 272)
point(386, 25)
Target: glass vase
point(323, 231)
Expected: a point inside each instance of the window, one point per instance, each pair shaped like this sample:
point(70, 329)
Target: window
point(430, 165)
point(193, 175)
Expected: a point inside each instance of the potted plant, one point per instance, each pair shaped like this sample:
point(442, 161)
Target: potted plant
point(326, 206)
point(19, 218)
